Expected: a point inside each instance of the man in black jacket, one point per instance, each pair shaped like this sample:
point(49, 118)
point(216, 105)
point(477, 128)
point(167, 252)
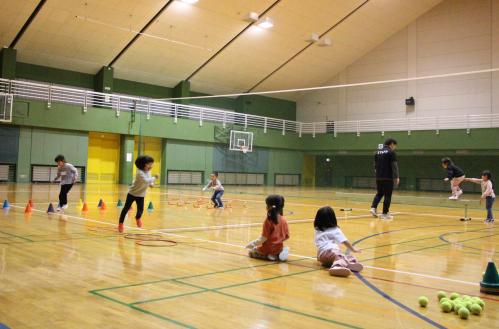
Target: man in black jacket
point(387, 175)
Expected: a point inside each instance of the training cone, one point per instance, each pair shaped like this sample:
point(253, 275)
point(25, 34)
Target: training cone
point(100, 203)
point(30, 202)
point(28, 208)
point(51, 208)
point(150, 207)
point(103, 206)
point(6, 204)
point(490, 281)
point(119, 204)
point(85, 207)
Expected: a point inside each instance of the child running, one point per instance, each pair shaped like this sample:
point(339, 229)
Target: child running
point(455, 175)
point(328, 238)
point(138, 189)
point(275, 231)
point(218, 190)
point(487, 193)
point(68, 175)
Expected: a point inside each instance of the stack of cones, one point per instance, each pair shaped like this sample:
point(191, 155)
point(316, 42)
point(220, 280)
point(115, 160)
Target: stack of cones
point(150, 207)
point(100, 203)
point(119, 204)
point(6, 204)
point(30, 202)
point(85, 207)
point(103, 206)
point(490, 281)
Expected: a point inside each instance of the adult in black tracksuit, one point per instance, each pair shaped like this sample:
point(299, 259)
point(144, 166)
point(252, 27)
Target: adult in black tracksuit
point(387, 175)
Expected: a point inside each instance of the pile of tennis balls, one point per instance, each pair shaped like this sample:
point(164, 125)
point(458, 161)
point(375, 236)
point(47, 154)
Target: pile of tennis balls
point(461, 305)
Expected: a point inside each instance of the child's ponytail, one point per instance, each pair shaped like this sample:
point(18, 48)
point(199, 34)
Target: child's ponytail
point(275, 205)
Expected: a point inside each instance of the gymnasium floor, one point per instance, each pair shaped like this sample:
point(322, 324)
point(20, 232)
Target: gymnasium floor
point(74, 271)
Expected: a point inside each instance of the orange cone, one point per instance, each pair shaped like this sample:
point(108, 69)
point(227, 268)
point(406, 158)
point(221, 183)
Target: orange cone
point(103, 206)
point(85, 207)
point(28, 208)
point(30, 202)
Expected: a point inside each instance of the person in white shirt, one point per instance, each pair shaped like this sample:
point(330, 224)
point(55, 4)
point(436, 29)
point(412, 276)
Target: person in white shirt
point(138, 189)
point(68, 175)
point(328, 238)
point(487, 193)
point(218, 190)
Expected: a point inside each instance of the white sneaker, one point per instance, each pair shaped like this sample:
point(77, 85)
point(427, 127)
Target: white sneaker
point(386, 217)
point(283, 255)
point(271, 257)
point(453, 197)
point(64, 207)
point(373, 212)
point(458, 194)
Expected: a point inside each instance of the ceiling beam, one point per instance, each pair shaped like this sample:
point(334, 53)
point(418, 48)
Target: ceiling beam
point(27, 24)
point(148, 24)
point(230, 41)
point(307, 46)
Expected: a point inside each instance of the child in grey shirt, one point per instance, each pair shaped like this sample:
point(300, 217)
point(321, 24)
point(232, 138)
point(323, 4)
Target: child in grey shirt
point(138, 189)
point(68, 175)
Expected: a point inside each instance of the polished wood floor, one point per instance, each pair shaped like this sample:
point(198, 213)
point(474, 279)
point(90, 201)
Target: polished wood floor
point(73, 270)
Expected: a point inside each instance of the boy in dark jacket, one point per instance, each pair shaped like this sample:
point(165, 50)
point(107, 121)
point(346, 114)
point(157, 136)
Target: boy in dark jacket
point(455, 175)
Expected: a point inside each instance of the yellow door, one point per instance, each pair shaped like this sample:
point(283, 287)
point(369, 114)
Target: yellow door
point(150, 146)
point(309, 170)
point(103, 157)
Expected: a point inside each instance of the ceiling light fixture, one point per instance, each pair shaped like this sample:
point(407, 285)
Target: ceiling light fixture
point(314, 37)
point(190, 2)
point(266, 23)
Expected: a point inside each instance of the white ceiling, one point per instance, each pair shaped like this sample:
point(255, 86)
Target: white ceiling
point(84, 35)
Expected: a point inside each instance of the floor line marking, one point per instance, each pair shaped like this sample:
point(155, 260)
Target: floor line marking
point(208, 241)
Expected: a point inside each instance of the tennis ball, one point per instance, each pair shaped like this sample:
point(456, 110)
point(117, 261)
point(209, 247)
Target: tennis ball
point(457, 307)
point(441, 294)
point(466, 297)
point(423, 301)
point(445, 299)
point(481, 303)
point(446, 307)
point(454, 295)
point(464, 313)
point(476, 309)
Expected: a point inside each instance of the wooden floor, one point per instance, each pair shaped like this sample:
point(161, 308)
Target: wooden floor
point(75, 271)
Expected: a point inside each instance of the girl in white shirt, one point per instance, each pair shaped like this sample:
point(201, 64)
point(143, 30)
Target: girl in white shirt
point(328, 238)
point(487, 193)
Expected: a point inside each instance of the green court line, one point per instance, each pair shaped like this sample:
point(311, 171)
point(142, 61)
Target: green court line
point(430, 247)
point(422, 239)
point(142, 310)
point(197, 275)
point(217, 290)
point(290, 310)
point(17, 236)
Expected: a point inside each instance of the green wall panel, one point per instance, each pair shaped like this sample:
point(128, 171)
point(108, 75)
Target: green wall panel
point(267, 106)
point(46, 144)
point(284, 162)
point(9, 139)
point(141, 89)
point(53, 75)
point(126, 167)
point(182, 155)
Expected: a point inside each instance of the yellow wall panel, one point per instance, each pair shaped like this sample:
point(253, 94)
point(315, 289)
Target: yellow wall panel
point(103, 157)
point(150, 146)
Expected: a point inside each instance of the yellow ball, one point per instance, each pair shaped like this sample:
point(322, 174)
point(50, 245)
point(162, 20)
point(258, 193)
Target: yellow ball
point(446, 307)
point(423, 301)
point(476, 309)
point(441, 294)
point(464, 313)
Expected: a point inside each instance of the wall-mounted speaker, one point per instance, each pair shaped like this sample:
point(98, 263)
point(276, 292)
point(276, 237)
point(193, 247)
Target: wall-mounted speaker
point(410, 101)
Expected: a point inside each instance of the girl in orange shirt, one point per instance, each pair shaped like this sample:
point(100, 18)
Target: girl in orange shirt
point(275, 231)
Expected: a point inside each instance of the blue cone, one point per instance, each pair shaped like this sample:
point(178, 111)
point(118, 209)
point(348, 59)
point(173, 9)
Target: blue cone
point(6, 204)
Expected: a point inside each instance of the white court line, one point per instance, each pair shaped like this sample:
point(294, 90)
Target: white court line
point(201, 228)
point(421, 275)
point(243, 247)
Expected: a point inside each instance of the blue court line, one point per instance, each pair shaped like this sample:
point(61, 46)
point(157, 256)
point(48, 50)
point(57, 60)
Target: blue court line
point(396, 302)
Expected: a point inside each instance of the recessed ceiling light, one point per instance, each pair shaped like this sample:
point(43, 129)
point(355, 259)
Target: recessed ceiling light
point(326, 42)
point(190, 2)
point(252, 17)
point(266, 23)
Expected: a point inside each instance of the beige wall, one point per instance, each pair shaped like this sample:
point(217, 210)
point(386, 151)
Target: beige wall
point(455, 36)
